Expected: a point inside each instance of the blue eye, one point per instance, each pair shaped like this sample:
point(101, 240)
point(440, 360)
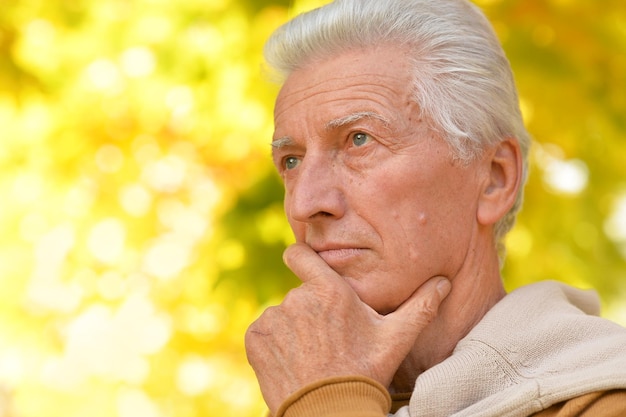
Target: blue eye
point(360, 139)
point(291, 162)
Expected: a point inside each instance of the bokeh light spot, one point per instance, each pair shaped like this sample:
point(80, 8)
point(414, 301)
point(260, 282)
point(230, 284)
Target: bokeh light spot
point(180, 100)
point(166, 174)
point(28, 187)
point(566, 177)
point(136, 403)
point(195, 375)
point(135, 199)
point(106, 240)
point(104, 74)
point(138, 62)
point(166, 257)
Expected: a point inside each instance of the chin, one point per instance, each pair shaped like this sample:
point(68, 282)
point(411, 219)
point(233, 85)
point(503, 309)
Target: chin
point(383, 311)
point(373, 300)
point(379, 300)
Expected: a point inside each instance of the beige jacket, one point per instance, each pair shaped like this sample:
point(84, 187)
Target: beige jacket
point(540, 351)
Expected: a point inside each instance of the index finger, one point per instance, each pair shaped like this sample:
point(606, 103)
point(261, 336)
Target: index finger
point(307, 264)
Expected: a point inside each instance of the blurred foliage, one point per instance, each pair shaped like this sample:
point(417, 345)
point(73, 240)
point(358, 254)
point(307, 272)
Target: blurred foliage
point(142, 224)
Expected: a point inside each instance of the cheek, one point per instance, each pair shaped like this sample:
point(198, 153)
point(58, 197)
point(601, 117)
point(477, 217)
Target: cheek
point(428, 240)
point(447, 236)
point(296, 227)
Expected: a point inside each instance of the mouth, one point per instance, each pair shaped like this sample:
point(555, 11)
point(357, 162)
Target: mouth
point(340, 257)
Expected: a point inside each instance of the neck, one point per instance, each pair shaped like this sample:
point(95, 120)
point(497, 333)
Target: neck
point(475, 289)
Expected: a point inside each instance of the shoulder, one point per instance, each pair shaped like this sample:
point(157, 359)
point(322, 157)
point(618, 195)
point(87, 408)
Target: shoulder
point(596, 404)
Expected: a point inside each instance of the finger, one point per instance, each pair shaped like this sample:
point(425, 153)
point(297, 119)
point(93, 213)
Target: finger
point(307, 264)
point(421, 308)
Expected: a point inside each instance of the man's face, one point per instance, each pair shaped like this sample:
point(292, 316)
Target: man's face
point(369, 187)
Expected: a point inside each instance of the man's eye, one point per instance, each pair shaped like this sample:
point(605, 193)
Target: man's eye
point(360, 139)
point(291, 162)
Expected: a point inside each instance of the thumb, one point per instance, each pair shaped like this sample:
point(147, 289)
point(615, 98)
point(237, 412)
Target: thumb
point(420, 309)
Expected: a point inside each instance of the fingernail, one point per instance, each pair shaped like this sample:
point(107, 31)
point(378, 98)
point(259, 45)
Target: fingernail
point(443, 287)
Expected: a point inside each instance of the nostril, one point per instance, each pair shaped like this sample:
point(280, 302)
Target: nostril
point(320, 215)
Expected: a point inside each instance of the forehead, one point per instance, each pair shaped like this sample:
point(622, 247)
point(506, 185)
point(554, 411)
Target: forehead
point(370, 79)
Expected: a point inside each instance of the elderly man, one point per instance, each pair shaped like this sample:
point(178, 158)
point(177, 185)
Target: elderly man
point(403, 154)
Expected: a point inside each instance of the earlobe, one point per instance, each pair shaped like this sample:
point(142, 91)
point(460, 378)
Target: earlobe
point(502, 181)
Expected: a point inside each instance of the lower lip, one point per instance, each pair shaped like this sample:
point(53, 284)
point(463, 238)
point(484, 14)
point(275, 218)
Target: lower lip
point(338, 257)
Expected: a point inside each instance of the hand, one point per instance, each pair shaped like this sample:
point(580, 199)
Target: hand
point(322, 329)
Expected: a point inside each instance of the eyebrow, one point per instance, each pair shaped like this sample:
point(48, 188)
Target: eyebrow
point(355, 117)
point(335, 124)
point(282, 142)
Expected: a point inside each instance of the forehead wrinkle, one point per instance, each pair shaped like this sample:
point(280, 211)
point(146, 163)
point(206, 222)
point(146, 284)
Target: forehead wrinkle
point(300, 92)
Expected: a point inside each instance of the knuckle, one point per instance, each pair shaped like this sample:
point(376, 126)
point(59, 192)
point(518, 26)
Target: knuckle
point(261, 326)
point(427, 312)
point(260, 334)
point(251, 335)
point(293, 299)
point(292, 294)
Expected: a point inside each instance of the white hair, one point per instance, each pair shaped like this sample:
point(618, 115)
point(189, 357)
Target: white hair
point(463, 83)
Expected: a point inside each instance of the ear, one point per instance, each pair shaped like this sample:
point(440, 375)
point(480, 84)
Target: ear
point(502, 182)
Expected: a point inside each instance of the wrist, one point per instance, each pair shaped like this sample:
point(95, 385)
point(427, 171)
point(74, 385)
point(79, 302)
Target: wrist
point(338, 396)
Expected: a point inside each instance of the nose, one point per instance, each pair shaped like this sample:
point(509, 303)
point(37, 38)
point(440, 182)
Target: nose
point(316, 192)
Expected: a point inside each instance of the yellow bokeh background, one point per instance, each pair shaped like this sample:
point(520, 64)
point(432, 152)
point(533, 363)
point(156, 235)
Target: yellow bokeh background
point(141, 222)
